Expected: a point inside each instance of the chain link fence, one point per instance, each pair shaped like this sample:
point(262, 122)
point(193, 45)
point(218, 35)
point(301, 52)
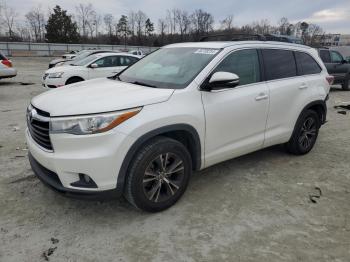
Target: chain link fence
point(54, 49)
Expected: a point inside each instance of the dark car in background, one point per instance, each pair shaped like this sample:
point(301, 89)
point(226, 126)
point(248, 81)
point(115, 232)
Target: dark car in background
point(337, 66)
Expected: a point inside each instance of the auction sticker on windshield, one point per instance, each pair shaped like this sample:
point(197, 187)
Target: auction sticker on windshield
point(207, 51)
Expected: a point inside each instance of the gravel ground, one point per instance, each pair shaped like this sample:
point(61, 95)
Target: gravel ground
point(253, 208)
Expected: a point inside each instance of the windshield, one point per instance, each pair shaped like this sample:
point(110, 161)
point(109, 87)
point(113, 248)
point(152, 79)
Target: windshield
point(169, 67)
point(84, 61)
point(81, 55)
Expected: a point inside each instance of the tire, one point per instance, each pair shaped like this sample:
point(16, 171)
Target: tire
point(149, 186)
point(346, 85)
point(305, 133)
point(73, 80)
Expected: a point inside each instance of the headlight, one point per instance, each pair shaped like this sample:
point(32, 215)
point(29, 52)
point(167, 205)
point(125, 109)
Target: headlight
point(56, 75)
point(92, 124)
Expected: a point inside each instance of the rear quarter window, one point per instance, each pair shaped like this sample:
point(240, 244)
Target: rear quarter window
point(279, 64)
point(306, 64)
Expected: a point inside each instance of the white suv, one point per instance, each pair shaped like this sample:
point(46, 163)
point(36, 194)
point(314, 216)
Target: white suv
point(180, 109)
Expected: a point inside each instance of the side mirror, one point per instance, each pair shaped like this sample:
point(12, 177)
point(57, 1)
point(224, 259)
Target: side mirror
point(222, 80)
point(344, 61)
point(94, 65)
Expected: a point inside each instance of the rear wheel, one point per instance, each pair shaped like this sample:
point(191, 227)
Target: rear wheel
point(158, 175)
point(305, 133)
point(346, 85)
point(73, 80)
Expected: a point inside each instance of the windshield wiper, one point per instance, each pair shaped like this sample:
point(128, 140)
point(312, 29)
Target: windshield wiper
point(142, 84)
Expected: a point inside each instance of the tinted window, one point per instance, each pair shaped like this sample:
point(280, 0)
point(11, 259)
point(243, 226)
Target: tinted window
point(336, 57)
point(126, 60)
point(244, 63)
point(325, 56)
point(279, 64)
point(108, 61)
point(306, 64)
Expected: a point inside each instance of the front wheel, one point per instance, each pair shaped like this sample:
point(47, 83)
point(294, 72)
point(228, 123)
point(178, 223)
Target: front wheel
point(158, 175)
point(305, 133)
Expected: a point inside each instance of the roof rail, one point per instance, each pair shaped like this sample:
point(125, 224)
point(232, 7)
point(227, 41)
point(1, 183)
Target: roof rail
point(247, 37)
point(233, 37)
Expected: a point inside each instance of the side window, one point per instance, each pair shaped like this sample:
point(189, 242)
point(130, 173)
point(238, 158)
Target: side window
point(126, 60)
point(244, 63)
point(306, 64)
point(336, 57)
point(105, 61)
point(279, 64)
point(325, 56)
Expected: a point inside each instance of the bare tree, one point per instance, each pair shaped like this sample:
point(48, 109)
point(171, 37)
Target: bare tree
point(183, 21)
point(171, 21)
point(140, 20)
point(85, 16)
point(36, 21)
point(8, 18)
point(108, 19)
point(202, 22)
point(94, 23)
point(132, 22)
point(261, 27)
point(162, 26)
point(283, 26)
point(227, 23)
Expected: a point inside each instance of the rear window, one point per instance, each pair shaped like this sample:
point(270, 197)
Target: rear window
point(279, 64)
point(325, 56)
point(306, 64)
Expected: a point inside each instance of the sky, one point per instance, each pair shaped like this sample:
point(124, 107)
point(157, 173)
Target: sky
point(333, 16)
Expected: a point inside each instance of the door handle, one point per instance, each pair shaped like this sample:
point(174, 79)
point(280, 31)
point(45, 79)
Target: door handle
point(261, 96)
point(303, 86)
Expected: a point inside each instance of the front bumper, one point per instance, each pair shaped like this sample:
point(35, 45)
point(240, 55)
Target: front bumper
point(51, 180)
point(52, 82)
point(99, 156)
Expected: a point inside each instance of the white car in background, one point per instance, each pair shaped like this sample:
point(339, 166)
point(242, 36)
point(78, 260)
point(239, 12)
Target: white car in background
point(93, 66)
point(6, 68)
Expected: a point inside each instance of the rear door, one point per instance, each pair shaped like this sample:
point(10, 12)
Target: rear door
point(310, 70)
point(289, 93)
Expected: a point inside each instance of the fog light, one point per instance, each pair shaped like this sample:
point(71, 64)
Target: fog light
point(84, 181)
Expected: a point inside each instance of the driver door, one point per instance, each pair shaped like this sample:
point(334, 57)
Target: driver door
point(106, 67)
point(340, 69)
point(236, 117)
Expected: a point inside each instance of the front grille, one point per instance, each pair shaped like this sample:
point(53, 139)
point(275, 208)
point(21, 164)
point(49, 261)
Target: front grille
point(45, 75)
point(39, 127)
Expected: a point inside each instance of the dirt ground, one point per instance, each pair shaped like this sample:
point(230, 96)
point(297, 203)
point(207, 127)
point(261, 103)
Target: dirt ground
point(254, 208)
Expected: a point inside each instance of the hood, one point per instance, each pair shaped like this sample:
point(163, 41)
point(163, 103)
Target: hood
point(55, 61)
point(98, 96)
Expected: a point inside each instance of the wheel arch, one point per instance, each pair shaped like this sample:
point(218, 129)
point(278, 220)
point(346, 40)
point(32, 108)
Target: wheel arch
point(72, 77)
point(183, 133)
point(319, 106)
